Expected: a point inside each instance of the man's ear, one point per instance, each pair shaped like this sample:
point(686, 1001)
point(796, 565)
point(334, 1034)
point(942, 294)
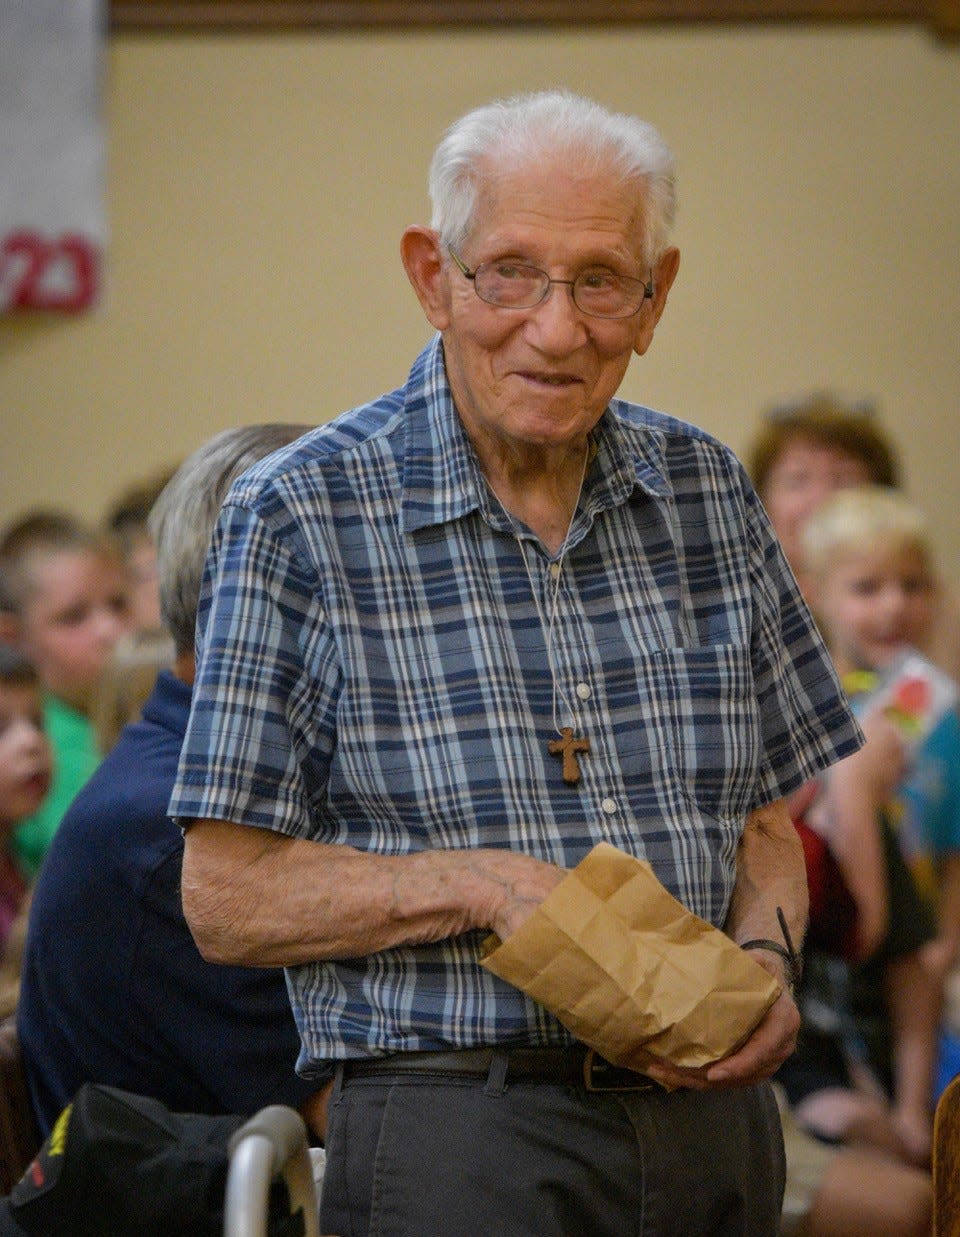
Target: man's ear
point(664, 273)
point(423, 262)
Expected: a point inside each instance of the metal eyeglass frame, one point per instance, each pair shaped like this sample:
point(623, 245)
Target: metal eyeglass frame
point(648, 289)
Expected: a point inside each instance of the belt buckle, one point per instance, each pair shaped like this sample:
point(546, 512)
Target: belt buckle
point(601, 1075)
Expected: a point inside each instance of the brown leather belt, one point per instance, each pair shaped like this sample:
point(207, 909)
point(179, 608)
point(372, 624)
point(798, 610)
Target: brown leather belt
point(578, 1066)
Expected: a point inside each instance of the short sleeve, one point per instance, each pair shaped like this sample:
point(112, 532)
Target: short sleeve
point(806, 720)
point(261, 726)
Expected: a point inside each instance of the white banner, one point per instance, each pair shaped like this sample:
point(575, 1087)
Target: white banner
point(53, 227)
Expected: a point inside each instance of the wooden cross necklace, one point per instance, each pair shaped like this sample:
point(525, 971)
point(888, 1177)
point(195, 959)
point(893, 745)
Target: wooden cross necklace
point(568, 746)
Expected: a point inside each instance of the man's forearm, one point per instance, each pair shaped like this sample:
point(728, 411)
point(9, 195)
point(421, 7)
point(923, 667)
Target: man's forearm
point(258, 898)
point(770, 874)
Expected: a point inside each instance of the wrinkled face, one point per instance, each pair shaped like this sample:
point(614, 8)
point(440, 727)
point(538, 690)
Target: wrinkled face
point(75, 613)
point(542, 377)
point(803, 475)
point(26, 765)
point(872, 603)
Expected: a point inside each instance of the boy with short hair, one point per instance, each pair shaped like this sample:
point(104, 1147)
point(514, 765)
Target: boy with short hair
point(26, 767)
point(63, 604)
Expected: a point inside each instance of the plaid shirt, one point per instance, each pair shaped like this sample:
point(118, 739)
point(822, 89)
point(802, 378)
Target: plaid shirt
point(372, 670)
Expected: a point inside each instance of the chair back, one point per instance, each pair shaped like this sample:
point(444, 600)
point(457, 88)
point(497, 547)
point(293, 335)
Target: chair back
point(946, 1162)
point(19, 1136)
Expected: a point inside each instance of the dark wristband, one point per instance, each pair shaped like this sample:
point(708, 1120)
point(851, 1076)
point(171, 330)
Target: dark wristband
point(786, 952)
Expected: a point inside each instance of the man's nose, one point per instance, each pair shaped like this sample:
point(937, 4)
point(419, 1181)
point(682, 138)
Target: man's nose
point(558, 323)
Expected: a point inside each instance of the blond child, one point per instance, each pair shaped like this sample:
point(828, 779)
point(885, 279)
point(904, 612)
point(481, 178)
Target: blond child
point(63, 604)
point(868, 561)
point(874, 589)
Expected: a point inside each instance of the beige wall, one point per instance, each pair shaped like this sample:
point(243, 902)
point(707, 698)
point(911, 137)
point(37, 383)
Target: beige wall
point(258, 186)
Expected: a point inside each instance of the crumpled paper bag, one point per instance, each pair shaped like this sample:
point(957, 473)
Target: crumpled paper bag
point(630, 971)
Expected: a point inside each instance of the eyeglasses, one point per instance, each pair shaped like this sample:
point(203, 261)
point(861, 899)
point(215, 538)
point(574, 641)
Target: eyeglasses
point(595, 291)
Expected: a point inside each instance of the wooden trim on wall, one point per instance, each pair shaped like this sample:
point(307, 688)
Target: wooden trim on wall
point(942, 16)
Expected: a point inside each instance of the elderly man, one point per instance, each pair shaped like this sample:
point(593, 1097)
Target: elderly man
point(113, 989)
point(455, 638)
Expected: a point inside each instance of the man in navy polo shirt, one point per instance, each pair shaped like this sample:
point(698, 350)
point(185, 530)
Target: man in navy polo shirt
point(114, 989)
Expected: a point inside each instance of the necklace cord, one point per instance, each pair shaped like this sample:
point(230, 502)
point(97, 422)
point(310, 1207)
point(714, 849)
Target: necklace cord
point(547, 627)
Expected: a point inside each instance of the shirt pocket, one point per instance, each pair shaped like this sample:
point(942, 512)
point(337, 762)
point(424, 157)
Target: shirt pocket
point(697, 733)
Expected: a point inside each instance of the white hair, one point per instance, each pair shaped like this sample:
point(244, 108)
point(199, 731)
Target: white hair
point(521, 128)
point(182, 518)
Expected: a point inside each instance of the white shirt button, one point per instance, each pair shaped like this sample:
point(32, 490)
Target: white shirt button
point(554, 569)
point(583, 691)
point(609, 806)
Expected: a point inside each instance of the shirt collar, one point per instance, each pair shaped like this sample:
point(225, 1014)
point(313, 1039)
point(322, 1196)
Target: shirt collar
point(441, 474)
point(442, 479)
point(168, 705)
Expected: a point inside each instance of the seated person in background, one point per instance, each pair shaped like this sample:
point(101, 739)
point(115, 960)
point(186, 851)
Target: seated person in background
point(138, 655)
point(868, 563)
point(26, 768)
point(807, 450)
point(841, 1191)
point(63, 604)
point(869, 557)
point(113, 989)
point(862, 1071)
point(127, 681)
point(127, 522)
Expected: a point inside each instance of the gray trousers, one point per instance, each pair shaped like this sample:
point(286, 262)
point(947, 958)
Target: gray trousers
point(439, 1157)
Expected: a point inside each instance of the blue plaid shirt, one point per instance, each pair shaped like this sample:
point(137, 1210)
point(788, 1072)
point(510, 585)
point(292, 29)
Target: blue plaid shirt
point(372, 670)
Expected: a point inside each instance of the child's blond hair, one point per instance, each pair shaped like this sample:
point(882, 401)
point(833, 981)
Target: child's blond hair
point(860, 520)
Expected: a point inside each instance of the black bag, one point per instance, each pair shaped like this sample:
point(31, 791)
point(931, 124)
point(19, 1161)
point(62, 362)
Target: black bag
point(122, 1165)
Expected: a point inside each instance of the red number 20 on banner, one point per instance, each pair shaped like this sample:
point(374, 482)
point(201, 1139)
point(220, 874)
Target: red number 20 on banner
point(55, 274)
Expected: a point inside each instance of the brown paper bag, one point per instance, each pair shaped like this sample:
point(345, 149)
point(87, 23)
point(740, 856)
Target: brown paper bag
point(630, 971)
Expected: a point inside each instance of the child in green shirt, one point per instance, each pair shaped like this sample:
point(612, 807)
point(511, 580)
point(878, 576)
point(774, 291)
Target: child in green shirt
point(63, 604)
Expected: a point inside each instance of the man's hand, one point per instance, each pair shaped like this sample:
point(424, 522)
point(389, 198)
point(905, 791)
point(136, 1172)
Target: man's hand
point(773, 1040)
point(511, 886)
point(765, 1051)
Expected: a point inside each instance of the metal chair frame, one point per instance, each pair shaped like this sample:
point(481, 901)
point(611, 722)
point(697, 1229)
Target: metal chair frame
point(273, 1143)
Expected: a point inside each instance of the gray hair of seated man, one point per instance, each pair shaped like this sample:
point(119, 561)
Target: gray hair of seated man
point(185, 513)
